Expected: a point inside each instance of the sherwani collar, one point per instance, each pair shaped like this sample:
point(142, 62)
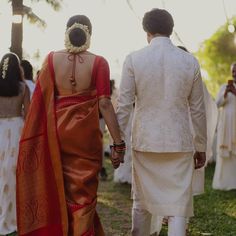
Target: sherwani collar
point(160, 40)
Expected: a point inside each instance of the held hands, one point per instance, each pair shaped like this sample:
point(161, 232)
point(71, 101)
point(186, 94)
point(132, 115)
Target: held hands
point(117, 154)
point(116, 158)
point(199, 159)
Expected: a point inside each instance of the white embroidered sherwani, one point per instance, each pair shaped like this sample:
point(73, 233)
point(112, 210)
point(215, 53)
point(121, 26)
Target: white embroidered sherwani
point(164, 82)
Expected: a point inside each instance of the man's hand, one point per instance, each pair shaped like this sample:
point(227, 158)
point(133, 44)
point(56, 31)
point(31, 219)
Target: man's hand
point(199, 159)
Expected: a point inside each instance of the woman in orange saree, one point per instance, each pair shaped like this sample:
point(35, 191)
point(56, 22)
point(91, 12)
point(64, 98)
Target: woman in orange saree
point(61, 146)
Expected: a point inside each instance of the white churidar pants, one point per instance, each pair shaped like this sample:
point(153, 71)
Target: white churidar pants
point(141, 223)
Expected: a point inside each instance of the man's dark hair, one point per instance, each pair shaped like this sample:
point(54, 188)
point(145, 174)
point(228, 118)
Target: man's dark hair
point(28, 69)
point(77, 36)
point(158, 21)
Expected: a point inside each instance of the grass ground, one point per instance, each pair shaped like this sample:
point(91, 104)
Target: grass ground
point(215, 211)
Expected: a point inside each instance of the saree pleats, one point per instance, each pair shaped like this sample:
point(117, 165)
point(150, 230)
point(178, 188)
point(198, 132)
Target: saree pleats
point(81, 156)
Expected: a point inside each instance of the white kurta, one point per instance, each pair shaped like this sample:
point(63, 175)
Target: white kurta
point(31, 85)
point(224, 176)
point(162, 183)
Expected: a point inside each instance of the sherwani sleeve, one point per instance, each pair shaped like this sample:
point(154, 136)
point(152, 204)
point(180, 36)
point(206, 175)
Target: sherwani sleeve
point(126, 96)
point(198, 112)
point(220, 100)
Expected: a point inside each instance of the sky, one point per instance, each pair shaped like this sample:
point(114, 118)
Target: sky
point(117, 29)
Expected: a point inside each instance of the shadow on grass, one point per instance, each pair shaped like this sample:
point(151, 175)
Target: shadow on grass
point(115, 220)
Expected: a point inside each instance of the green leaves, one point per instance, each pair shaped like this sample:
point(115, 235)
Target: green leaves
point(216, 55)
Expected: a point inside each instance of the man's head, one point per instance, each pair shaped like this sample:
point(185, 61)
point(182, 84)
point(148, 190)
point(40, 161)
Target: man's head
point(158, 22)
point(233, 70)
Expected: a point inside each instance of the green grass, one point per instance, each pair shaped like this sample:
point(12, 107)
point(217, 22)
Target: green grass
point(114, 205)
point(215, 211)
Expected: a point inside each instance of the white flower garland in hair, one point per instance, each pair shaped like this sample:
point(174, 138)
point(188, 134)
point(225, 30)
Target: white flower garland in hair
point(69, 46)
point(5, 67)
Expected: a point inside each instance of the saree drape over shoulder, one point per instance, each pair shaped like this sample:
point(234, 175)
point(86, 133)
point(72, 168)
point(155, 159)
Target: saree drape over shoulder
point(60, 157)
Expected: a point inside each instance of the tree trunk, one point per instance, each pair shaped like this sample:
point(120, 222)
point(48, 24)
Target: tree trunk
point(17, 29)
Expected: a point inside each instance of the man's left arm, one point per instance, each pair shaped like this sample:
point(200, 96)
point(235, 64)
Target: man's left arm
point(126, 96)
point(198, 112)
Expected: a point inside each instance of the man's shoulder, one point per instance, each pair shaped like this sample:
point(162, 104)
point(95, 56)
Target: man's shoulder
point(186, 60)
point(138, 52)
point(137, 55)
point(186, 55)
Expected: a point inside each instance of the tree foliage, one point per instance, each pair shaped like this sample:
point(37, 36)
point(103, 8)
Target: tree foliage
point(216, 54)
point(55, 4)
point(18, 8)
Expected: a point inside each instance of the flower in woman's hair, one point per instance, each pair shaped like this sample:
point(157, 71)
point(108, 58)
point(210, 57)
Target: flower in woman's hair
point(5, 67)
point(69, 46)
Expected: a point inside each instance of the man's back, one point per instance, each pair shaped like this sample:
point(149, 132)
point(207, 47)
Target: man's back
point(164, 76)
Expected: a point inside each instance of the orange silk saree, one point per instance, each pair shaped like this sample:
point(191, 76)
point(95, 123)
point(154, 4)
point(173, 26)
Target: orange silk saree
point(59, 160)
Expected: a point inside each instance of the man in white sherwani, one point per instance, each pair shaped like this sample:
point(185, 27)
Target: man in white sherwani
point(224, 176)
point(165, 83)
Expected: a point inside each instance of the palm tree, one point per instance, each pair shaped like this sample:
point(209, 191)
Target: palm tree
point(18, 8)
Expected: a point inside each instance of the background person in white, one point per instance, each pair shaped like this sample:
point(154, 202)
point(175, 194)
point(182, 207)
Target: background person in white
point(28, 75)
point(164, 82)
point(224, 176)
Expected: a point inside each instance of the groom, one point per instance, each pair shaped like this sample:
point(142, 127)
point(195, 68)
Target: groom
point(165, 84)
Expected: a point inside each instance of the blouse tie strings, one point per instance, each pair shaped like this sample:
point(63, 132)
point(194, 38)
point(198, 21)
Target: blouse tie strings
point(73, 58)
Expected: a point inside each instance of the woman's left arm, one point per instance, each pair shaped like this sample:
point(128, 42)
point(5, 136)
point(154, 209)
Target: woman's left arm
point(108, 113)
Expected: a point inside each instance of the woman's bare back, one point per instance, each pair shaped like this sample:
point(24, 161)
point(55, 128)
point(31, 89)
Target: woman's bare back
point(65, 72)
